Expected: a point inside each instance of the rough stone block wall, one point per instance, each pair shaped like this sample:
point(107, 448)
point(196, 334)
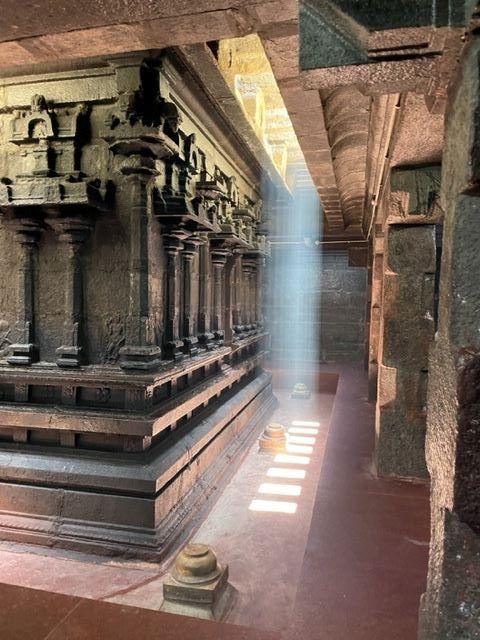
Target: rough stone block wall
point(342, 308)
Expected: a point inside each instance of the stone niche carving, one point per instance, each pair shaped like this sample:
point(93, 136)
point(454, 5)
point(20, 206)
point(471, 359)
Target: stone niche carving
point(50, 141)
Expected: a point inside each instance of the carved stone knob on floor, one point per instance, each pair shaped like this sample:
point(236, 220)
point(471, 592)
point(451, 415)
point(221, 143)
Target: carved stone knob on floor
point(273, 439)
point(300, 390)
point(198, 585)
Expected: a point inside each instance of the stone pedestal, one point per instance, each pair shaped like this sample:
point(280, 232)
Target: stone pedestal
point(198, 585)
point(273, 439)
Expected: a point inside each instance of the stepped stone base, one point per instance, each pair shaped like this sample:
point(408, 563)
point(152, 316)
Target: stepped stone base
point(137, 504)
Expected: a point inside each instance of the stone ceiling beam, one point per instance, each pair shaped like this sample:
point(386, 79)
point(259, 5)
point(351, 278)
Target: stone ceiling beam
point(306, 112)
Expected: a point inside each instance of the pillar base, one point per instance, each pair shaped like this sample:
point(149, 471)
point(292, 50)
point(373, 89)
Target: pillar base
point(144, 358)
point(207, 601)
point(300, 391)
point(69, 356)
point(219, 338)
point(206, 341)
point(174, 350)
point(22, 354)
point(190, 346)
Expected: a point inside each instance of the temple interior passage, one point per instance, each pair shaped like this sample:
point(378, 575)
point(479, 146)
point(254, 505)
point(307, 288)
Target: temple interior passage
point(239, 320)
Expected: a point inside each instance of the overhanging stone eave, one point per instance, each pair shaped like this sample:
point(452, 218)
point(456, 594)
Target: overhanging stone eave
point(201, 61)
point(307, 116)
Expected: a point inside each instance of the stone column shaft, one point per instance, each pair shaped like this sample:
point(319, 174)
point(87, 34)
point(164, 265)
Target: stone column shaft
point(72, 234)
point(189, 314)
point(173, 344)
point(139, 351)
point(236, 291)
point(259, 292)
point(27, 232)
point(219, 259)
point(204, 294)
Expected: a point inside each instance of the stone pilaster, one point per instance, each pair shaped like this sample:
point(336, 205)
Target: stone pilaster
point(249, 294)
point(237, 294)
point(205, 336)
point(219, 260)
point(73, 233)
point(451, 607)
point(173, 345)
point(259, 292)
point(189, 314)
point(24, 351)
point(139, 351)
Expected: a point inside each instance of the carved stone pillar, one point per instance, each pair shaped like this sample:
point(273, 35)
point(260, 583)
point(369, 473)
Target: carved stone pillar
point(249, 294)
point(140, 350)
point(259, 292)
point(219, 259)
point(244, 294)
point(73, 233)
point(237, 293)
point(450, 606)
point(24, 351)
point(189, 315)
point(173, 345)
point(228, 301)
point(205, 336)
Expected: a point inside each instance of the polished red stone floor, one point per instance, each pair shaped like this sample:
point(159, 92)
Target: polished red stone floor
point(363, 570)
point(366, 558)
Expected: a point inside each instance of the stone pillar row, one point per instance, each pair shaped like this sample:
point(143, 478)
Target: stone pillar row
point(191, 321)
point(72, 233)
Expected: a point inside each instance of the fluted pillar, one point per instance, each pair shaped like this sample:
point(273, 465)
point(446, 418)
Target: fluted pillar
point(24, 351)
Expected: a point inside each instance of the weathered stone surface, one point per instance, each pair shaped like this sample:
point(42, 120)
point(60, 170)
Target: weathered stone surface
point(450, 606)
point(342, 312)
point(407, 329)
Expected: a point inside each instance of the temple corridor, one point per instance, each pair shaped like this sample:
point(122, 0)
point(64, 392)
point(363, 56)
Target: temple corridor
point(239, 320)
point(350, 562)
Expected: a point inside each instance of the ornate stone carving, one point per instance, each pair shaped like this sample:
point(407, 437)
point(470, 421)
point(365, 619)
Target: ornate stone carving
point(114, 340)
